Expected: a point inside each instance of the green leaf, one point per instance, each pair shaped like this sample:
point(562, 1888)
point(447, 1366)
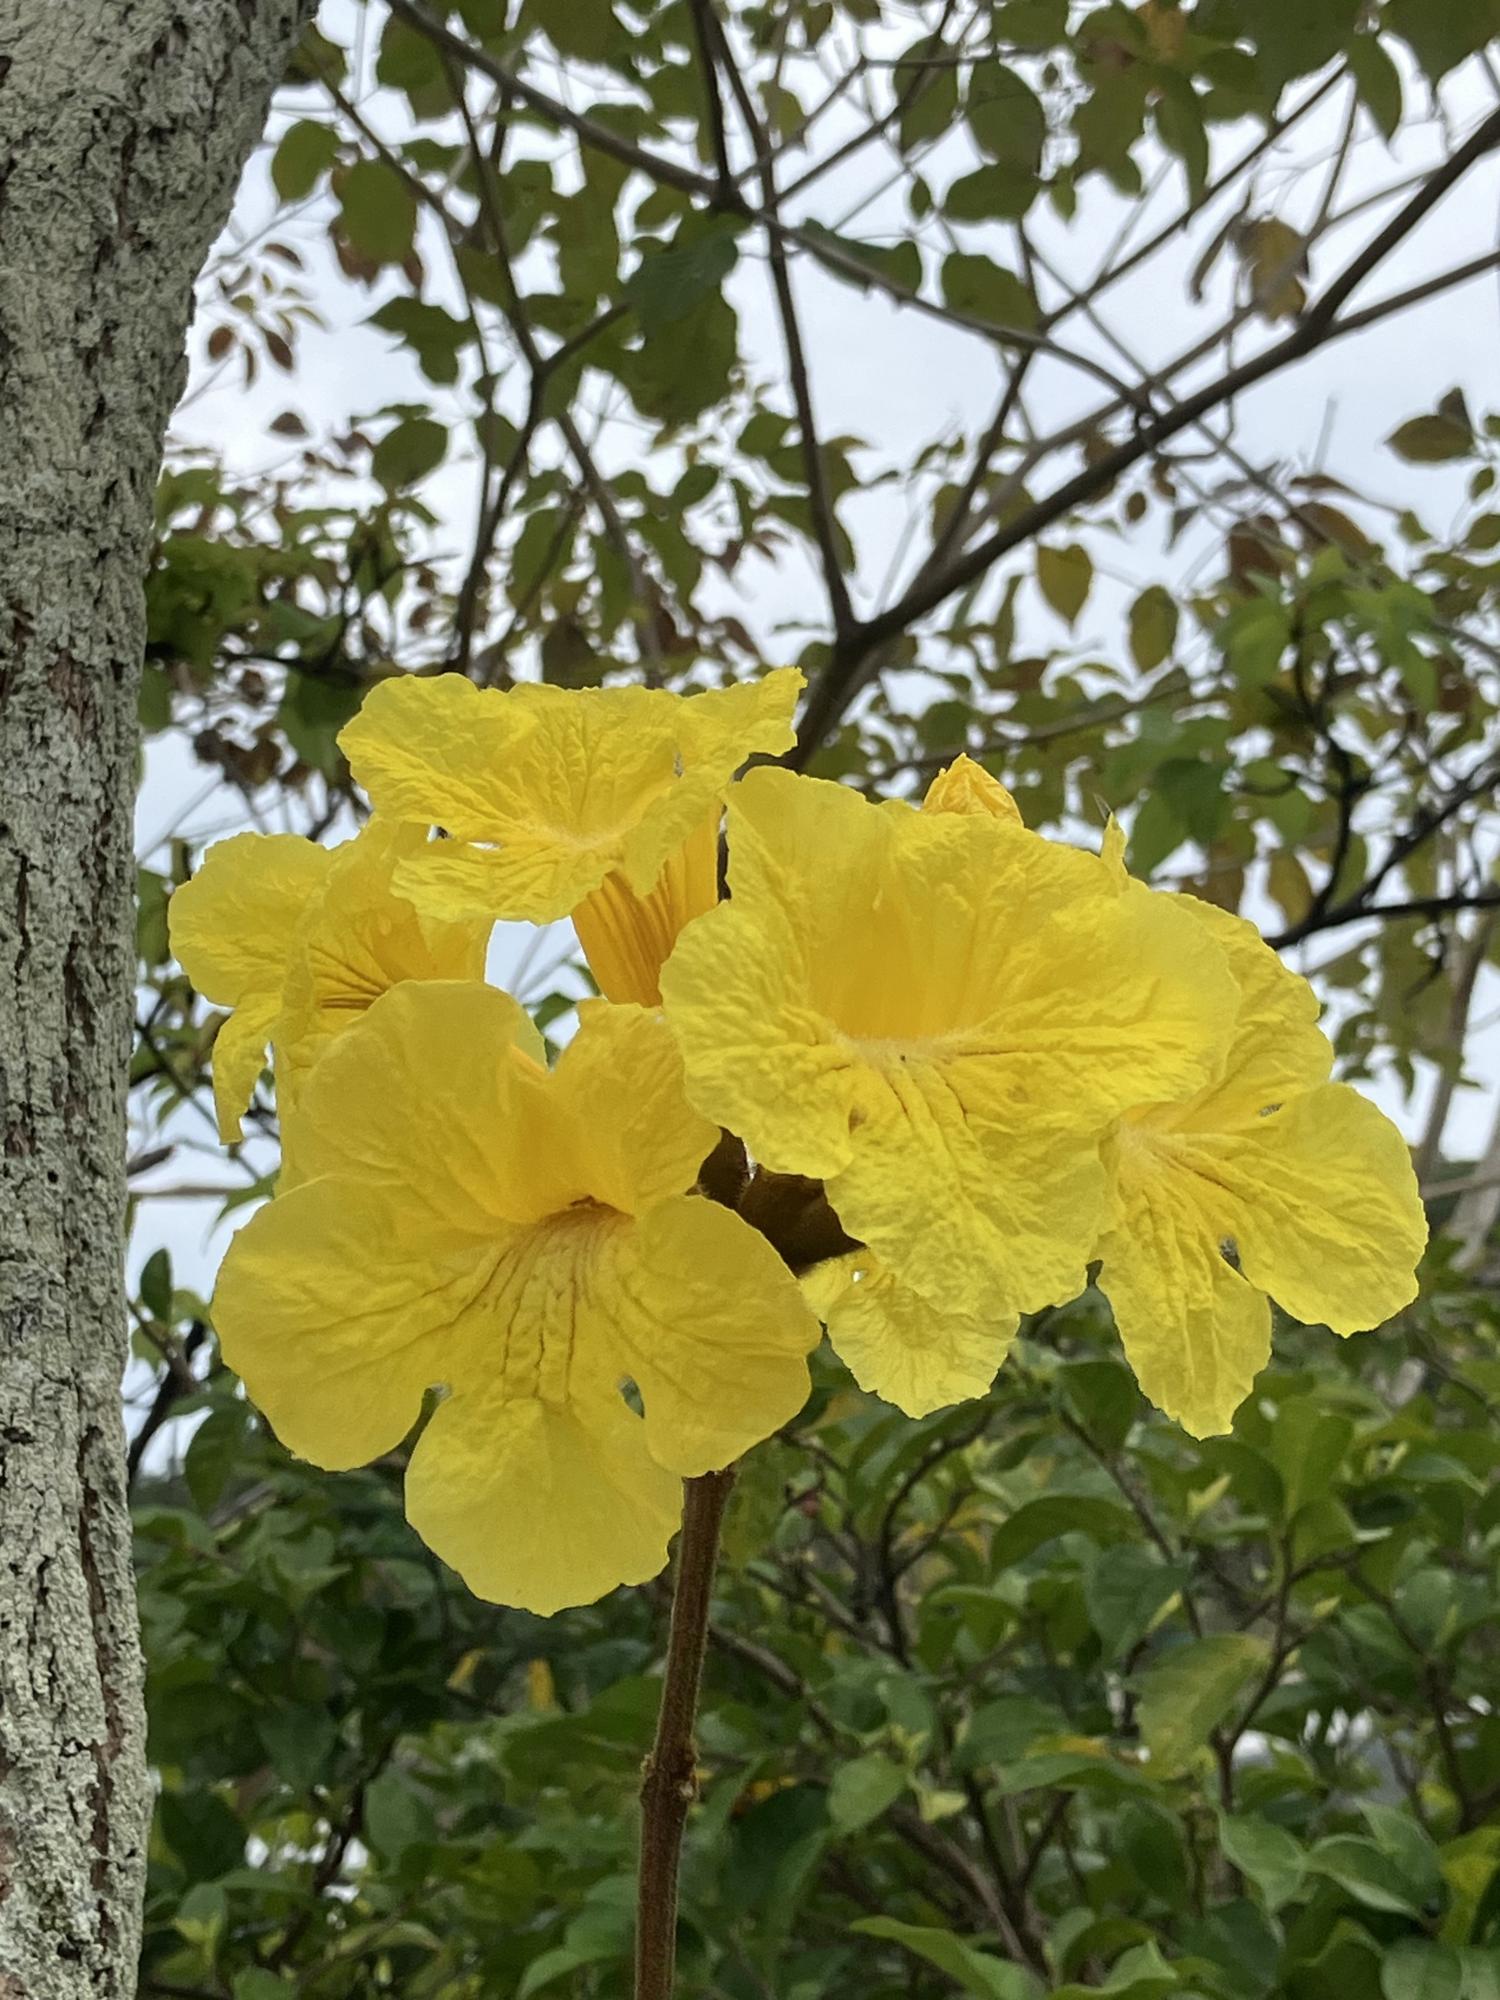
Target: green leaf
point(213, 1452)
point(930, 88)
point(984, 290)
point(1043, 1520)
point(1153, 627)
point(1416, 1969)
point(1065, 577)
point(156, 1284)
point(1187, 1694)
point(862, 1790)
point(974, 1971)
point(434, 335)
point(1378, 82)
point(898, 263)
point(303, 155)
point(1006, 117)
point(991, 193)
point(1441, 33)
point(255, 1983)
point(299, 1741)
point(397, 1816)
point(1125, 1590)
point(1432, 440)
point(379, 210)
point(551, 1965)
point(1366, 1871)
point(409, 451)
point(671, 280)
point(1266, 1854)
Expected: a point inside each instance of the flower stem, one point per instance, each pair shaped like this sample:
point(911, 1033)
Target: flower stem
point(668, 1783)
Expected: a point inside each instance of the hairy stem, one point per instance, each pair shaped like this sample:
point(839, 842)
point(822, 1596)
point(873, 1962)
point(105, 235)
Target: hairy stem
point(668, 1782)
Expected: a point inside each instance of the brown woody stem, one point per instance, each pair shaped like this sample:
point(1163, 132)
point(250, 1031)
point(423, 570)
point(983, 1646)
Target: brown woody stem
point(669, 1783)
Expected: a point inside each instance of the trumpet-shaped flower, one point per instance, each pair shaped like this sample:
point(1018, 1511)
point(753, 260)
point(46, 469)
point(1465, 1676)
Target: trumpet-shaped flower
point(600, 803)
point(526, 1241)
point(296, 940)
point(1267, 1180)
point(939, 1015)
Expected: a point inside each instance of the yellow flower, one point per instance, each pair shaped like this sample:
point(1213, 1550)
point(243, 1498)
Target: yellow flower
point(939, 1016)
point(966, 787)
point(525, 1240)
point(599, 803)
point(1304, 1181)
point(297, 940)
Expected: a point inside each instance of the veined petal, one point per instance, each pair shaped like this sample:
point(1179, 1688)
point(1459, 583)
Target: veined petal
point(969, 1205)
point(711, 1327)
point(900, 1349)
point(541, 1505)
point(940, 1019)
point(340, 1303)
point(966, 787)
point(1323, 1203)
point(562, 787)
point(628, 938)
point(232, 925)
point(1195, 1332)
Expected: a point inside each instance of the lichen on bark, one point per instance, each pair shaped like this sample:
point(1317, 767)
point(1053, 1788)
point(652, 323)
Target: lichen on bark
point(123, 128)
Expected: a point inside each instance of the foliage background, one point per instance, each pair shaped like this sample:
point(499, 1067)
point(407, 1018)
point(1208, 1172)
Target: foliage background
point(1036, 1696)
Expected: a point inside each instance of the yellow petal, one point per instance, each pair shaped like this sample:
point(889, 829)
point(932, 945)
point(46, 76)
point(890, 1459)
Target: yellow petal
point(898, 1348)
point(1323, 1205)
point(232, 926)
point(620, 1083)
point(1277, 1047)
point(562, 787)
point(434, 1091)
point(940, 1019)
point(358, 939)
point(538, 1505)
point(339, 1304)
point(239, 1057)
point(1195, 1332)
point(627, 938)
point(711, 1327)
point(966, 787)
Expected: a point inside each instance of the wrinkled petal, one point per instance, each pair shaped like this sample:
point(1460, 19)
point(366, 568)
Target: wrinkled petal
point(1195, 1332)
point(563, 787)
point(966, 787)
point(711, 1327)
point(427, 748)
point(939, 1015)
point(898, 1348)
point(970, 1207)
point(1323, 1203)
point(628, 938)
point(339, 1304)
point(538, 1505)
point(233, 924)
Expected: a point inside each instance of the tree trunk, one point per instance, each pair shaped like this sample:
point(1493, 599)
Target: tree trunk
point(123, 128)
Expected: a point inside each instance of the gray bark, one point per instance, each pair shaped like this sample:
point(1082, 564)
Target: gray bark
point(123, 127)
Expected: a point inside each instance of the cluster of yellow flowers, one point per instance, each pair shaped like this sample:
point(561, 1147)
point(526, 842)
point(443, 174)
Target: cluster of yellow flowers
point(992, 1059)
